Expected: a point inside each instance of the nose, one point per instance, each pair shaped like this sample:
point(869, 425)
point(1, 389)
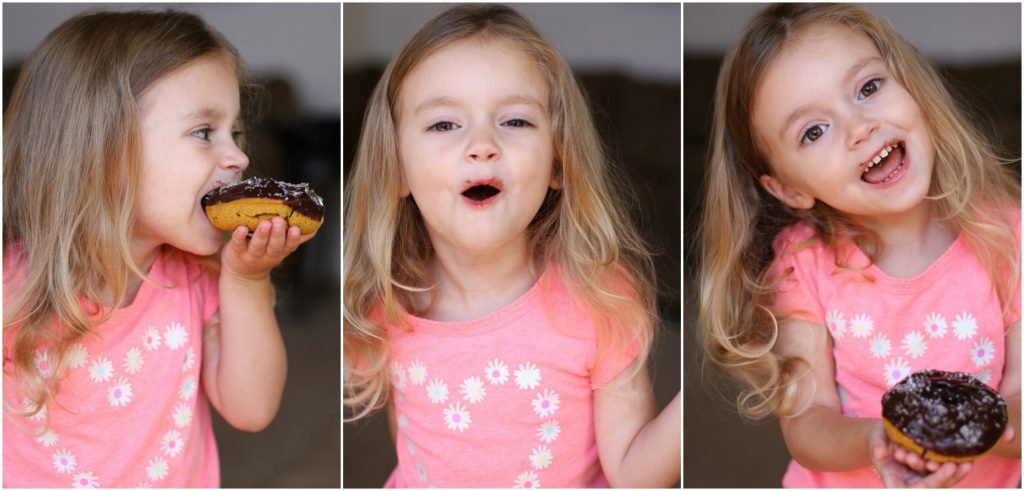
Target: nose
point(234, 158)
point(862, 127)
point(482, 146)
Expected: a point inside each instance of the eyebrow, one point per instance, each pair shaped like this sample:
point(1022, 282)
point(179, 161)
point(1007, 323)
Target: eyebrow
point(448, 101)
point(800, 111)
point(205, 113)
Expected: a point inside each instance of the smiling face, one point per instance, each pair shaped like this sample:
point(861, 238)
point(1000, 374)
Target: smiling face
point(475, 143)
point(836, 126)
point(189, 126)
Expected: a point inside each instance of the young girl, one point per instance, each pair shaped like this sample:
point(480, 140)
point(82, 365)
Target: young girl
point(498, 298)
point(857, 228)
point(119, 326)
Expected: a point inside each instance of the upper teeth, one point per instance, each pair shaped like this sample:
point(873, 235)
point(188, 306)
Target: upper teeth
point(878, 158)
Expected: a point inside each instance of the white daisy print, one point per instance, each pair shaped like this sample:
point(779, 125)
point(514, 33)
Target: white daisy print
point(417, 373)
point(175, 335)
point(496, 372)
point(85, 480)
point(403, 421)
point(456, 417)
point(172, 443)
point(546, 404)
point(879, 346)
point(77, 356)
point(47, 436)
point(472, 390)
point(42, 362)
point(144, 485)
point(549, 431)
point(437, 391)
point(861, 326)
point(397, 376)
point(985, 376)
point(982, 352)
point(151, 339)
point(527, 376)
point(836, 323)
point(964, 326)
point(101, 370)
point(895, 371)
point(410, 446)
point(188, 388)
point(914, 345)
point(29, 406)
point(421, 472)
point(182, 415)
point(190, 360)
point(935, 325)
point(120, 394)
point(133, 361)
point(540, 457)
point(527, 480)
point(157, 469)
point(63, 461)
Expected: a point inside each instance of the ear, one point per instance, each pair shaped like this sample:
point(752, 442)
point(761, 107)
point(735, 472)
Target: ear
point(403, 185)
point(556, 176)
point(788, 195)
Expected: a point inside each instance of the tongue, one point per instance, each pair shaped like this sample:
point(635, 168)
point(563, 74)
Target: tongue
point(883, 169)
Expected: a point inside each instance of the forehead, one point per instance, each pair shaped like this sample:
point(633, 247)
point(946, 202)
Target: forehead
point(207, 84)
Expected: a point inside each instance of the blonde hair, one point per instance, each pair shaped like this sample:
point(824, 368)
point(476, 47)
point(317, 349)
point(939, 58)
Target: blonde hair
point(971, 190)
point(72, 158)
point(584, 227)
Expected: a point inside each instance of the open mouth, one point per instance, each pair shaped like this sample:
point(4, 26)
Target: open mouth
point(885, 165)
point(481, 192)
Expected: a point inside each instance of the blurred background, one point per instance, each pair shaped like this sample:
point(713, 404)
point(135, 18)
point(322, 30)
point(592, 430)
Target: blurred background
point(976, 47)
point(293, 50)
point(627, 60)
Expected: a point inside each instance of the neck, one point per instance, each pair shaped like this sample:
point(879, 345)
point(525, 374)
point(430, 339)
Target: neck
point(143, 255)
point(910, 241)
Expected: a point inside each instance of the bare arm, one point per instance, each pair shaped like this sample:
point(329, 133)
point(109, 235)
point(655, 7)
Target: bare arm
point(244, 360)
point(1010, 389)
point(637, 446)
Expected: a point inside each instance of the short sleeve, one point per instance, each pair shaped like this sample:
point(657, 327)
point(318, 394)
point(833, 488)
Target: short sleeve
point(610, 363)
point(211, 295)
point(1013, 315)
point(795, 269)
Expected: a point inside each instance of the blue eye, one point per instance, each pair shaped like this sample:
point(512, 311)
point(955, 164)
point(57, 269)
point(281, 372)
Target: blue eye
point(813, 133)
point(202, 134)
point(442, 126)
point(517, 123)
point(869, 89)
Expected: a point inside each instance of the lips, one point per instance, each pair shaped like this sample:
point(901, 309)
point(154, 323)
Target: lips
point(885, 165)
point(481, 192)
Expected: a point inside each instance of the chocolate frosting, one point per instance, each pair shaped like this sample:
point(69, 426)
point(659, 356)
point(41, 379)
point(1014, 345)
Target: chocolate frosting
point(299, 197)
point(950, 413)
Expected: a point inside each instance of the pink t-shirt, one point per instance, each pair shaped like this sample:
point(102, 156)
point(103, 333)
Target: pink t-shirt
point(131, 412)
point(947, 318)
point(501, 401)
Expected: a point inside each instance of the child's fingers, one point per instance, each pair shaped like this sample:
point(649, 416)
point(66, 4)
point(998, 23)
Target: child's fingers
point(1009, 433)
point(238, 239)
point(276, 241)
point(938, 479)
point(295, 239)
point(260, 237)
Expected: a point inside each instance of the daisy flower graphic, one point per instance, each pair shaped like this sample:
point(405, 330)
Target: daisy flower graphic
point(540, 457)
point(437, 391)
point(151, 339)
point(182, 415)
point(144, 485)
point(496, 372)
point(47, 436)
point(527, 480)
point(879, 346)
point(397, 376)
point(895, 371)
point(175, 335)
point(417, 373)
point(29, 405)
point(101, 370)
point(985, 376)
point(861, 326)
point(133, 361)
point(527, 376)
point(549, 431)
point(42, 362)
point(157, 469)
point(836, 323)
point(964, 326)
point(421, 472)
point(190, 360)
point(935, 325)
point(546, 404)
point(914, 345)
point(410, 446)
point(456, 417)
point(172, 443)
point(77, 356)
point(85, 480)
point(120, 394)
point(472, 390)
point(982, 352)
point(403, 421)
point(63, 461)
point(188, 388)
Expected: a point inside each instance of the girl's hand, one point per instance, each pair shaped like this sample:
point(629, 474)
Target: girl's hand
point(271, 242)
point(897, 469)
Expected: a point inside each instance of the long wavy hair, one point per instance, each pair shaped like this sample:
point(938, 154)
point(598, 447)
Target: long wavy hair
point(584, 228)
point(71, 167)
point(971, 189)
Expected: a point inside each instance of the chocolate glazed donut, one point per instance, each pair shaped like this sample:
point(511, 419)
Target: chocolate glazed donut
point(252, 200)
point(944, 416)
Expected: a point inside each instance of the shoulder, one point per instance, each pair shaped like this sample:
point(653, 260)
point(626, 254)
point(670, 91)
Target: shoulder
point(186, 270)
point(799, 247)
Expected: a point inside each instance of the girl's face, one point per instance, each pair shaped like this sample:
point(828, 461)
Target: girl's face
point(475, 143)
point(827, 109)
point(189, 127)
